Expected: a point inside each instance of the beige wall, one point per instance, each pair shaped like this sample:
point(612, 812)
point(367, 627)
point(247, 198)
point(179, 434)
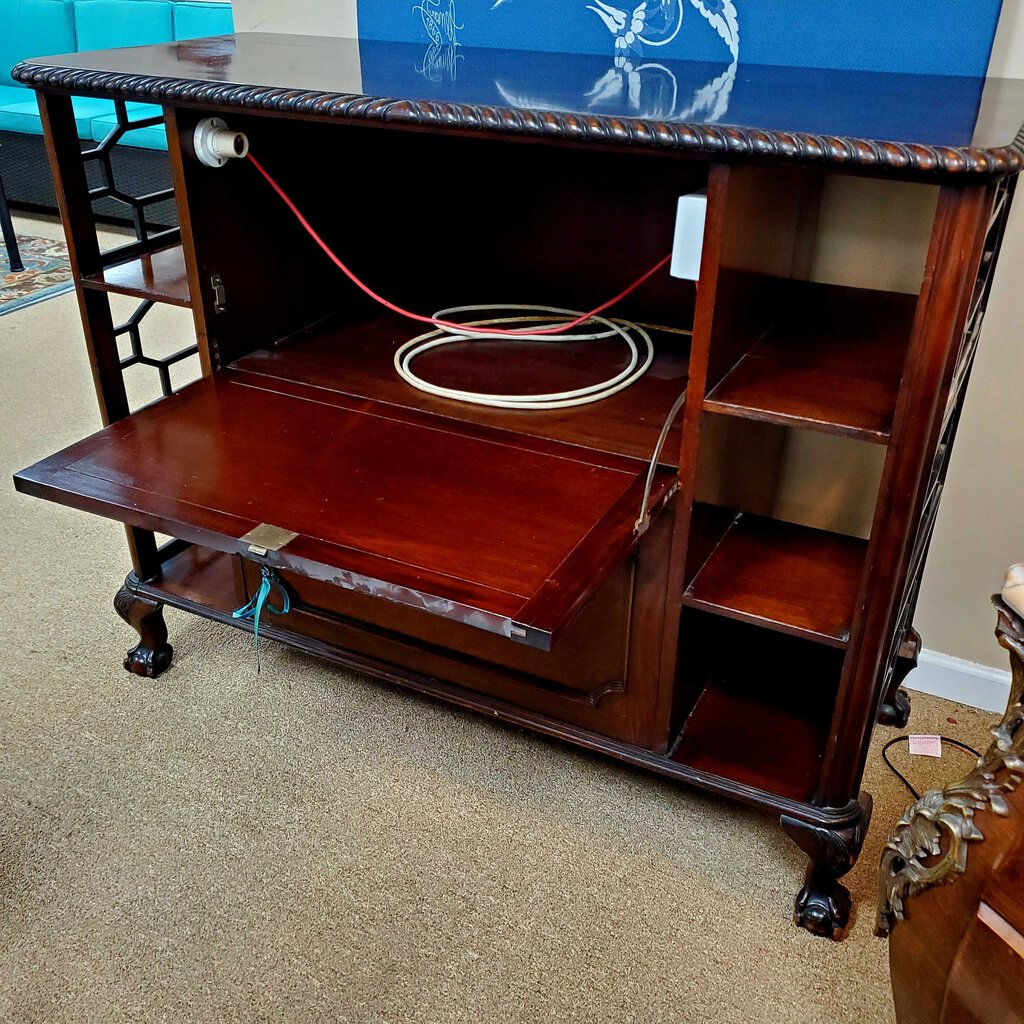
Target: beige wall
point(978, 532)
point(1008, 54)
point(301, 17)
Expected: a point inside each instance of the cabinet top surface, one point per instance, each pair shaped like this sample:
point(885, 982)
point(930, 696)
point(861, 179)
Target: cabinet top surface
point(892, 123)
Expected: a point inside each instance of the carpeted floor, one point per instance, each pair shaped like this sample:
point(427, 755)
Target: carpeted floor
point(307, 845)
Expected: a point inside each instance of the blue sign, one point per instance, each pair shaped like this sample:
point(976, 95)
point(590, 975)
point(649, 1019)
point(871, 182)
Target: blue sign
point(933, 37)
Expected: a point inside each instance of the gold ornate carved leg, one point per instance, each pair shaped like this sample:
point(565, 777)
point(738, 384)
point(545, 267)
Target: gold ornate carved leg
point(930, 843)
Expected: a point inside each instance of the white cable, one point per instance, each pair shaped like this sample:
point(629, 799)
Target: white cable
point(640, 526)
point(637, 367)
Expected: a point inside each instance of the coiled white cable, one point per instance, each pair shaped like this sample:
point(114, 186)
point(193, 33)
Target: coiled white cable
point(639, 362)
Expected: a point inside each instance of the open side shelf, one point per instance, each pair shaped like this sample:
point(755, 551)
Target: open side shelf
point(159, 276)
point(508, 534)
point(762, 718)
point(784, 577)
point(832, 362)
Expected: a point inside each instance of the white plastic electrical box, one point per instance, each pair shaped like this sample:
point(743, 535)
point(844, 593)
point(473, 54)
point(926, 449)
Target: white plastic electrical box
point(688, 245)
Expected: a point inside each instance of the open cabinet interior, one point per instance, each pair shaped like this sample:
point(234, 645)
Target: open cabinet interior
point(407, 512)
point(434, 223)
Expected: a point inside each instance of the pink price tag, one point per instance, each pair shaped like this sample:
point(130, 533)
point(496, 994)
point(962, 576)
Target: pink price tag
point(928, 746)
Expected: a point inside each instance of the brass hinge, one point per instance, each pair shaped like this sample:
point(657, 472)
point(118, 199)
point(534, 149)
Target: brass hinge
point(220, 297)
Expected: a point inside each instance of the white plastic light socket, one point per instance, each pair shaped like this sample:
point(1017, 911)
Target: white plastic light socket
point(688, 245)
point(215, 143)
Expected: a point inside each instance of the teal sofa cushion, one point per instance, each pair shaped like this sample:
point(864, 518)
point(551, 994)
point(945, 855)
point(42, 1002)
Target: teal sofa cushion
point(153, 137)
point(192, 20)
point(12, 94)
point(107, 24)
point(33, 28)
point(23, 116)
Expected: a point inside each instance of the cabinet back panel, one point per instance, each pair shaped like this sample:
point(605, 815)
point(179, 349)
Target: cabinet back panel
point(430, 222)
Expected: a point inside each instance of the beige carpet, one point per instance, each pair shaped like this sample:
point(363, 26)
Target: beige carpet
point(307, 845)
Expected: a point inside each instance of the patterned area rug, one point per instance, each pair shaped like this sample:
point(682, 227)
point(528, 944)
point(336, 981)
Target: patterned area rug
point(47, 273)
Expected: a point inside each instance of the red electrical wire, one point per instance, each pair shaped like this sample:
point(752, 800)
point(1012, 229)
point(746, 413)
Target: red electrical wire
point(560, 329)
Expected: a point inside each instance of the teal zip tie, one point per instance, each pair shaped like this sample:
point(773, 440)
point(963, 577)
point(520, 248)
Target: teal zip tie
point(254, 609)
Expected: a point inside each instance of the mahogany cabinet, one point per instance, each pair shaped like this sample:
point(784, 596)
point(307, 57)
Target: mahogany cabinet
point(517, 563)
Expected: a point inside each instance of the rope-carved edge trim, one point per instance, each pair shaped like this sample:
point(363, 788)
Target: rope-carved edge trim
point(714, 140)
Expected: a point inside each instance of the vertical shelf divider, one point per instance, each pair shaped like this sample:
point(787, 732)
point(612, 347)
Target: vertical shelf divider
point(759, 224)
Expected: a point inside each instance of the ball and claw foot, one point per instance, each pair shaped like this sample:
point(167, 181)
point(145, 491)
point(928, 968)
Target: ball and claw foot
point(895, 711)
point(823, 906)
point(152, 654)
point(144, 661)
point(895, 707)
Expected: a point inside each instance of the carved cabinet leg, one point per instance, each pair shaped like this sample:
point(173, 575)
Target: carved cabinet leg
point(895, 708)
point(152, 654)
point(823, 904)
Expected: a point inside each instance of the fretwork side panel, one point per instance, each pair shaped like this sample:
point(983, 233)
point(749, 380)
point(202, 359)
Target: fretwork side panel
point(994, 234)
point(113, 347)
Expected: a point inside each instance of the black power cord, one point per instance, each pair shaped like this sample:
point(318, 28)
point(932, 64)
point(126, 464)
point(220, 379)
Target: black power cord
point(906, 739)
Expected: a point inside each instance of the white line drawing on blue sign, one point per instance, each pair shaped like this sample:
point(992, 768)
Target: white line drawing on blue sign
point(650, 89)
point(442, 56)
point(661, 28)
point(723, 18)
point(660, 24)
point(441, 25)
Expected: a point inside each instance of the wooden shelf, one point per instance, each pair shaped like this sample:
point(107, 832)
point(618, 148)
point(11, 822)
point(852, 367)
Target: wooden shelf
point(159, 276)
point(784, 577)
point(763, 717)
point(357, 359)
point(832, 362)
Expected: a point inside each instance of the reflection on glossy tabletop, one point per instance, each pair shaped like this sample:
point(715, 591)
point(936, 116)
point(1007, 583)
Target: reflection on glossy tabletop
point(498, 89)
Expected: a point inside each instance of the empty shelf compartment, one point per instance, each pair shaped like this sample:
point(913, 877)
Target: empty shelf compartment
point(763, 715)
point(159, 276)
point(832, 362)
point(764, 705)
point(786, 577)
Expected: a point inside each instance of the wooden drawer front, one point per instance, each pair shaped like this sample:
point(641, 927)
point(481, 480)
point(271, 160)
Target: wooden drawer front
point(590, 658)
point(584, 680)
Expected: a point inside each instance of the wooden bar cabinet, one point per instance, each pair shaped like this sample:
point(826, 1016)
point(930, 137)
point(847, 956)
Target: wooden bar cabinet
point(516, 562)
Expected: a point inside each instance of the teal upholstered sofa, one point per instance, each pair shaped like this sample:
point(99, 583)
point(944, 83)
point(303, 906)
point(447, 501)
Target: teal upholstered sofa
point(33, 28)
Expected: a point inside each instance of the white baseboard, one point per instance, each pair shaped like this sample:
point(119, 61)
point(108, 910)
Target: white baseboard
point(966, 682)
